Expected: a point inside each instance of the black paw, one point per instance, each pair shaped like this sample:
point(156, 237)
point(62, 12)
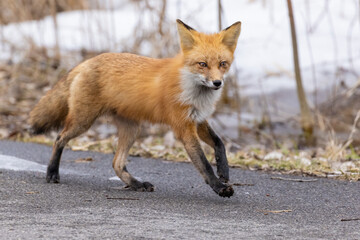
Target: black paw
point(148, 187)
point(223, 190)
point(52, 176)
point(142, 187)
point(228, 191)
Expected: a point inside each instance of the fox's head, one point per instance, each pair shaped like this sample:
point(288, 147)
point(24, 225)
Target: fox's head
point(208, 57)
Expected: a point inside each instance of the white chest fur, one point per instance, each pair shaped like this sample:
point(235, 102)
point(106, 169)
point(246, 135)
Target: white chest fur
point(201, 98)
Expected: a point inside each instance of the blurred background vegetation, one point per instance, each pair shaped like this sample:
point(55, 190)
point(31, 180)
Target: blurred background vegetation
point(320, 137)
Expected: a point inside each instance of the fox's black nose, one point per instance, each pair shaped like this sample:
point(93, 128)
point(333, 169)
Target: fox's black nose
point(217, 83)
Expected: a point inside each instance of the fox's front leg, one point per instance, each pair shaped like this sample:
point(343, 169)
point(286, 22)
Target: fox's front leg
point(190, 139)
point(211, 138)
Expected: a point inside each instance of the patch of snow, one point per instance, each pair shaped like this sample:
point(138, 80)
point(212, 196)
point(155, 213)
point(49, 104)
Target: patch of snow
point(116, 178)
point(18, 164)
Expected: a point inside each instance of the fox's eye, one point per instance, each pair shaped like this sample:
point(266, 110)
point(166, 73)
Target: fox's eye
point(223, 64)
point(202, 64)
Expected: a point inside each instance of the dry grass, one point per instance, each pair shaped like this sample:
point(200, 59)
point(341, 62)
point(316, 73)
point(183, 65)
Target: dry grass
point(23, 10)
point(336, 150)
point(310, 162)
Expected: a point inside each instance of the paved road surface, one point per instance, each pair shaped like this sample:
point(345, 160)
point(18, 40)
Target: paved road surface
point(87, 205)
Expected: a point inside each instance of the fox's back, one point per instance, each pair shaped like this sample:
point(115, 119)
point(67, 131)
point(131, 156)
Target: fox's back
point(133, 86)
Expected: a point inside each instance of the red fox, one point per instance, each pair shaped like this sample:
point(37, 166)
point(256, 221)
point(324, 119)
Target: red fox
point(180, 92)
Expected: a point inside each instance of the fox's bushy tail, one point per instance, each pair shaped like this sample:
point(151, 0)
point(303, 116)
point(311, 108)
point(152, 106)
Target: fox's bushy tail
point(52, 109)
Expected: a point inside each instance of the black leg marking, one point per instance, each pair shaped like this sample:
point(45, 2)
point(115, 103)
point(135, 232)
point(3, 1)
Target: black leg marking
point(202, 164)
point(216, 184)
point(211, 138)
point(52, 174)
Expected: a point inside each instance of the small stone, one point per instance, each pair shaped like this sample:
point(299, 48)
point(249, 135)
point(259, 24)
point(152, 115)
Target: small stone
point(3, 75)
point(320, 152)
point(336, 166)
point(4, 133)
point(347, 166)
point(148, 140)
point(158, 148)
point(303, 154)
point(169, 139)
point(305, 161)
point(274, 156)
point(323, 160)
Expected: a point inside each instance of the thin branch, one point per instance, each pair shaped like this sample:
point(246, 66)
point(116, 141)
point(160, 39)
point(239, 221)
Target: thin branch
point(306, 118)
point(219, 15)
point(349, 219)
point(162, 17)
point(293, 179)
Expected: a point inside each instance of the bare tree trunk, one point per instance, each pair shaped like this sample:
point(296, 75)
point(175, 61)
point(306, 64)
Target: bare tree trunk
point(224, 97)
point(219, 15)
point(162, 17)
point(56, 62)
point(307, 122)
point(232, 82)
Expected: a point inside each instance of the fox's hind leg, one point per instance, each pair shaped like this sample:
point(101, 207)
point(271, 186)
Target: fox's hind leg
point(127, 133)
point(77, 122)
point(208, 135)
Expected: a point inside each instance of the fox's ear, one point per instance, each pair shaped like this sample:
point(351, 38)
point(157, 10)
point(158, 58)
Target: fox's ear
point(231, 35)
point(186, 35)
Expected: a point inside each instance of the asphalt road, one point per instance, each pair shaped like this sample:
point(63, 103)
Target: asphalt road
point(87, 205)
